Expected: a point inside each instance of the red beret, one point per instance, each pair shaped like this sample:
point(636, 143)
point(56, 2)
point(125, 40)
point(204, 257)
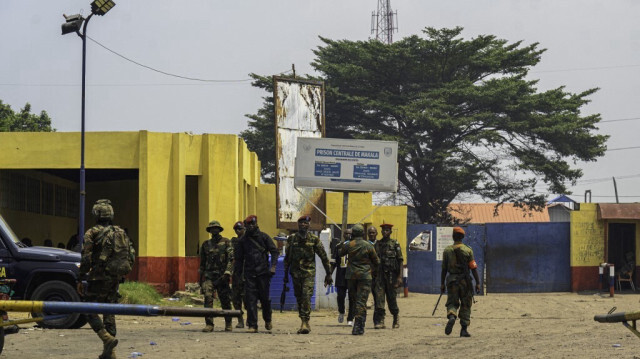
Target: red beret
point(458, 230)
point(238, 225)
point(252, 218)
point(386, 225)
point(304, 218)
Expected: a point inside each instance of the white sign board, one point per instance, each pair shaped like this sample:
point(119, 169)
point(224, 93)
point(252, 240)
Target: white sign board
point(444, 238)
point(347, 165)
point(299, 112)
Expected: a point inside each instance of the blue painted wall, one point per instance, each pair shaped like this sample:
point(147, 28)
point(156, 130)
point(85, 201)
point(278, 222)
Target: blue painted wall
point(528, 257)
point(425, 270)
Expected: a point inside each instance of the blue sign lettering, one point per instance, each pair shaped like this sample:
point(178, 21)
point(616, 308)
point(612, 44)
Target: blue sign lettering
point(366, 171)
point(325, 169)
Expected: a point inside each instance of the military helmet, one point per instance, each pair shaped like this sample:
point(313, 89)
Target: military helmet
point(357, 230)
point(213, 224)
point(102, 209)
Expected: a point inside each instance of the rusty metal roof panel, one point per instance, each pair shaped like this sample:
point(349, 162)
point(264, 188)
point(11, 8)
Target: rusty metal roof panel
point(486, 213)
point(619, 211)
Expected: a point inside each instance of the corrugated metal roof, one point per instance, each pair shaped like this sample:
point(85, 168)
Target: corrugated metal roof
point(485, 213)
point(619, 211)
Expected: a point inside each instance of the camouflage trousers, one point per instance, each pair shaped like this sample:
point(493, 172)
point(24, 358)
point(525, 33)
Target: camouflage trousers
point(303, 290)
point(102, 291)
point(237, 292)
point(459, 296)
point(224, 295)
point(382, 288)
point(361, 288)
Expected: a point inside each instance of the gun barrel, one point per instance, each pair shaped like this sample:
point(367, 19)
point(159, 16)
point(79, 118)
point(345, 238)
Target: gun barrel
point(116, 309)
point(617, 317)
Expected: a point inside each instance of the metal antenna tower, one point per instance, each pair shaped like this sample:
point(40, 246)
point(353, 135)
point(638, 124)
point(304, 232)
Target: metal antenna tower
point(384, 21)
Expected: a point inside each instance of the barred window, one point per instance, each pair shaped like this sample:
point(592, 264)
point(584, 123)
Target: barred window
point(47, 198)
point(60, 201)
point(72, 203)
point(18, 189)
point(33, 195)
point(5, 189)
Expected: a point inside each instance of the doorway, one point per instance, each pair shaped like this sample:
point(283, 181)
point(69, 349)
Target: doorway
point(622, 240)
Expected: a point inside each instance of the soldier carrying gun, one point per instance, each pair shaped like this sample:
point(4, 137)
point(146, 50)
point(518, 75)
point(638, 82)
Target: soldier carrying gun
point(216, 266)
point(457, 260)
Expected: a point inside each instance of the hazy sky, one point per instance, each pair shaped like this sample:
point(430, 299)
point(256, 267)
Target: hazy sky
point(591, 43)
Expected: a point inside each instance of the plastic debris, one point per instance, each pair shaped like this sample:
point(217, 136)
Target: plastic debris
point(135, 355)
point(185, 323)
point(617, 345)
point(172, 299)
point(175, 319)
point(153, 343)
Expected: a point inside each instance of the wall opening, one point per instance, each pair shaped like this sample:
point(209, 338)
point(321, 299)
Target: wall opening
point(191, 212)
point(622, 240)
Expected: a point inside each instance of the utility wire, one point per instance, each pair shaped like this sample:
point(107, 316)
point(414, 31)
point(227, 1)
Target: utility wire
point(167, 73)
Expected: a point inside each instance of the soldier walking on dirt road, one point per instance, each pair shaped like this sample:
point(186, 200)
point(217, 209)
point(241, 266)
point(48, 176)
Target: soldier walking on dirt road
point(237, 279)
point(457, 260)
point(300, 261)
point(105, 254)
point(216, 266)
point(252, 259)
point(388, 278)
point(362, 259)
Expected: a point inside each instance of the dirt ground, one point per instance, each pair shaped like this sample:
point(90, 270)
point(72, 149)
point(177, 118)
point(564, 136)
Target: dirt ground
point(555, 325)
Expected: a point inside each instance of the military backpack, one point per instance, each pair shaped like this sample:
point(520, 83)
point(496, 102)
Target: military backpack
point(117, 251)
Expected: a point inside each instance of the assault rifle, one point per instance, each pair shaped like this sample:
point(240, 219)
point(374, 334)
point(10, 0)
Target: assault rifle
point(285, 289)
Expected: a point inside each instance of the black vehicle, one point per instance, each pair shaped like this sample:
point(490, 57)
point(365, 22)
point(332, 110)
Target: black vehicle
point(41, 273)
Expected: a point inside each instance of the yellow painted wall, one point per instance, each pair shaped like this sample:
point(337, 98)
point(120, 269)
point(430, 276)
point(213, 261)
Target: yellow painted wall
point(359, 207)
point(587, 236)
point(267, 209)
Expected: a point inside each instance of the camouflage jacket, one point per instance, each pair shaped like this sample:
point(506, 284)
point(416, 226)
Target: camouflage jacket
point(362, 258)
point(99, 243)
point(216, 257)
point(300, 259)
point(235, 243)
point(450, 262)
point(390, 254)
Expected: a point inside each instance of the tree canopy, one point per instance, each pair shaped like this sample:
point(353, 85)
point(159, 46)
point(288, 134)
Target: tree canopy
point(466, 118)
point(23, 121)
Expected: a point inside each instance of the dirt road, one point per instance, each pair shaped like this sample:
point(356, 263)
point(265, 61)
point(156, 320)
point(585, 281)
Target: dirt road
point(557, 325)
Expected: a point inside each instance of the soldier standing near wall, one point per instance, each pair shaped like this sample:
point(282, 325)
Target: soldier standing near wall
point(362, 259)
point(100, 242)
point(253, 256)
point(457, 260)
point(300, 261)
point(388, 279)
point(216, 266)
point(237, 280)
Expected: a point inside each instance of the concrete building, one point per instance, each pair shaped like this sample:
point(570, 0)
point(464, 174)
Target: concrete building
point(165, 188)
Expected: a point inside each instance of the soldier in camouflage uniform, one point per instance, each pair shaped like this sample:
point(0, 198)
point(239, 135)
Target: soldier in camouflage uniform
point(457, 260)
point(237, 281)
point(388, 278)
point(216, 266)
point(99, 241)
point(362, 260)
point(300, 261)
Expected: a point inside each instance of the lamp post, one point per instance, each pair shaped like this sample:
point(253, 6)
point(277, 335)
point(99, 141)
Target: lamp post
point(73, 24)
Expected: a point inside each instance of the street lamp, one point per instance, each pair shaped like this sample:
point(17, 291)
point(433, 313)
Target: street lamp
point(73, 24)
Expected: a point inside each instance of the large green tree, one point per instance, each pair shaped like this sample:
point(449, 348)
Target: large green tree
point(467, 119)
point(23, 121)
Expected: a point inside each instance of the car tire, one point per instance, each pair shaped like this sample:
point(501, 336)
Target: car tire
point(56, 291)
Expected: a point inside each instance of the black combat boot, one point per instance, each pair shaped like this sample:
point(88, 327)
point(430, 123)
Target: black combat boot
point(464, 332)
point(450, 323)
point(356, 325)
point(363, 321)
